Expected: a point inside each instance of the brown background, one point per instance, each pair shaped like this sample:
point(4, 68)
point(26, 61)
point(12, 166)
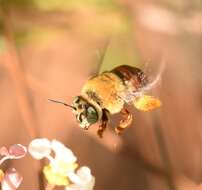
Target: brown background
point(163, 149)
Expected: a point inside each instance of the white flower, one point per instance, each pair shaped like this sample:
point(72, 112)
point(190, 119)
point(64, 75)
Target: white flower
point(62, 153)
point(83, 180)
point(63, 161)
point(11, 180)
point(40, 148)
point(61, 168)
point(15, 151)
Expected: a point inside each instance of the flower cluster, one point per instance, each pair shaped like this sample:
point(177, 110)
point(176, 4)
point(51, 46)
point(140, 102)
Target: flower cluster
point(11, 179)
point(61, 169)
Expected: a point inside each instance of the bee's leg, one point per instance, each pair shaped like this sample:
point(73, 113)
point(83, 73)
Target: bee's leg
point(104, 122)
point(125, 122)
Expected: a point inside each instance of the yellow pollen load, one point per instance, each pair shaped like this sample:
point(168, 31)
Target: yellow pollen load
point(146, 103)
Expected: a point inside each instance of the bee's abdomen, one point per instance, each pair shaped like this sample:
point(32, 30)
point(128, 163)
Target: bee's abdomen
point(131, 74)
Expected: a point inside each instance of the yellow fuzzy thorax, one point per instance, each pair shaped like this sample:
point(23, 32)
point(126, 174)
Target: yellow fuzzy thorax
point(106, 87)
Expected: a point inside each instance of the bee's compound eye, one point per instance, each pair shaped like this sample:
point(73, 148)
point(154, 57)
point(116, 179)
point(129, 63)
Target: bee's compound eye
point(92, 115)
point(90, 109)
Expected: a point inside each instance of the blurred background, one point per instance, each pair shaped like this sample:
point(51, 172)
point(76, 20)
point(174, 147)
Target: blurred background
point(48, 49)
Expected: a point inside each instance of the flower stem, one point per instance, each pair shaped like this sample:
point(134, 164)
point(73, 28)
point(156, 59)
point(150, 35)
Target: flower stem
point(49, 187)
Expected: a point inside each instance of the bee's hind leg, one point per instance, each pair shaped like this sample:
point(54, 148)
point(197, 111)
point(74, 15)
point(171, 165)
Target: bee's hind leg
point(125, 122)
point(104, 122)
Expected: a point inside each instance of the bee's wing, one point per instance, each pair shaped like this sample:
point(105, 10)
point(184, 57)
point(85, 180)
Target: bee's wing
point(146, 103)
point(100, 55)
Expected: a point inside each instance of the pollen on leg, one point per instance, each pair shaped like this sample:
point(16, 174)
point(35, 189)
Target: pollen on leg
point(118, 130)
point(125, 122)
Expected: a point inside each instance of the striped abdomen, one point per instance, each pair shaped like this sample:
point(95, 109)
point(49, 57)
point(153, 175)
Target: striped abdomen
point(132, 75)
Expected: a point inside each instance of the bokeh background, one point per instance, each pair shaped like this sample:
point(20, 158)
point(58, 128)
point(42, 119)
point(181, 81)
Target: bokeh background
point(48, 49)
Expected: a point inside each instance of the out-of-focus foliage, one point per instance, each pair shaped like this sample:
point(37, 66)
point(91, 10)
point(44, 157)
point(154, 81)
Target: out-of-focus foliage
point(36, 35)
point(16, 3)
point(87, 19)
point(50, 5)
point(119, 52)
point(2, 44)
point(72, 4)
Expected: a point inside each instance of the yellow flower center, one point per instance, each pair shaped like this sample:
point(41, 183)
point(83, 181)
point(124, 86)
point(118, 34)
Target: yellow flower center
point(57, 174)
point(1, 174)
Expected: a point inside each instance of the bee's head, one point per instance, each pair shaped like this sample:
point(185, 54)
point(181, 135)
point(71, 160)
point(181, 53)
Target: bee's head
point(86, 114)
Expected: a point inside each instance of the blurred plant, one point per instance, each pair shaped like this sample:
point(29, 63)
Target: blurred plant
point(61, 168)
point(72, 4)
point(2, 44)
point(51, 5)
point(11, 179)
point(19, 4)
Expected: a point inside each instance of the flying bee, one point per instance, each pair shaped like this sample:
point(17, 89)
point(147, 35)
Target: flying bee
point(108, 93)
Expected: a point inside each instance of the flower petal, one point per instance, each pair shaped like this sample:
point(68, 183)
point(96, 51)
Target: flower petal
point(17, 151)
point(83, 179)
point(4, 151)
point(39, 148)
point(62, 167)
point(11, 180)
point(84, 173)
point(91, 184)
point(73, 187)
point(62, 153)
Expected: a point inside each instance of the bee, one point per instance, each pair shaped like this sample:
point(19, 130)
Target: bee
point(108, 93)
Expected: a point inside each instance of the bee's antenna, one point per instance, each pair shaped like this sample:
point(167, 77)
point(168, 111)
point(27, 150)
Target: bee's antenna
point(59, 102)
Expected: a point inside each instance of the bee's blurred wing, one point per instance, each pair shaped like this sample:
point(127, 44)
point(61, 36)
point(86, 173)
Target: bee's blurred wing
point(146, 103)
point(100, 55)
